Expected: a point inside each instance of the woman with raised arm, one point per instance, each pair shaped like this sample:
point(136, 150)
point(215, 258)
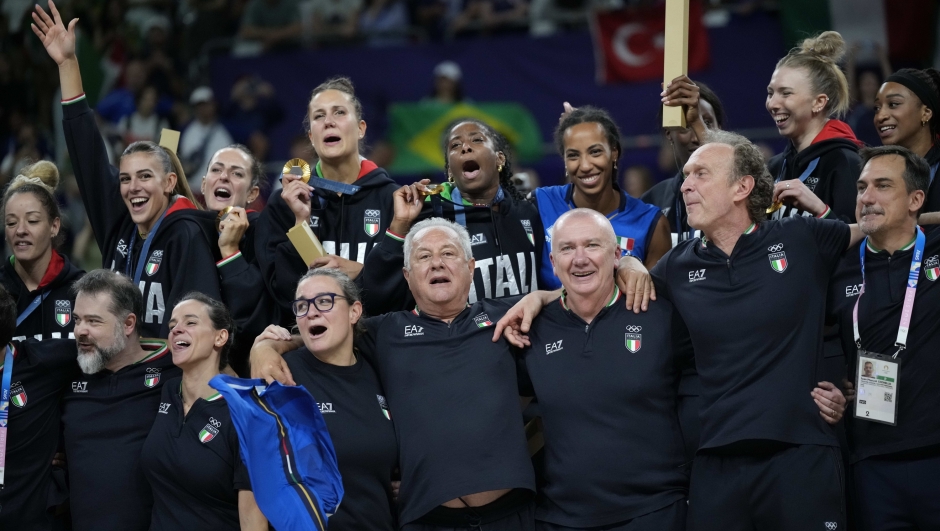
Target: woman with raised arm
point(132, 209)
point(36, 275)
point(347, 201)
point(907, 113)
point(818, 169)
point(191, 456)
point(589, 142)
point(703, 111)
point(479, 195)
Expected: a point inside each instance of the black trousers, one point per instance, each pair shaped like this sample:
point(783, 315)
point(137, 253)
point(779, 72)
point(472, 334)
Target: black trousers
point(898, 494)
point(513, 512)
point(791, 489)
point(669, 518)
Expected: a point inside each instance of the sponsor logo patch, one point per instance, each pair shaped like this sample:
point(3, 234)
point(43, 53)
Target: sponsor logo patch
point(209, 431)
point(553, 347)
point(152, 377)
point(696, 275)
point(17, 394)
point(153, 264)
point(79, 387)
point(63, 312)
point(326, 407)
point(633, 339)
point(122, 248)
point(478, 239)
point(414, 330)
point(164, 408)
point(371, 221)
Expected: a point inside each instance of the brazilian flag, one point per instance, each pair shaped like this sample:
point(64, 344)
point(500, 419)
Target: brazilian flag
point(415, 131)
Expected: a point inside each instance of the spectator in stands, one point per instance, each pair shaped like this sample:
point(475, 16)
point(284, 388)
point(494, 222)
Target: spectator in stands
point(384, 22)
point(161, 58)
point(864, 80)
point(490, 15)
point(122, 101)
point(203, 137)
point(251, 113)
point(447, 87)
point(145, 123)
point(275, 24)
point(335, 19)
point(430, 16)
point(636, 181)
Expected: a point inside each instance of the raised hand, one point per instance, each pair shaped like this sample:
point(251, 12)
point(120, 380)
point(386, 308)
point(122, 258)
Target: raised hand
point(58, 41)
point(408, 204)
point(231, 230)
point(296, 194)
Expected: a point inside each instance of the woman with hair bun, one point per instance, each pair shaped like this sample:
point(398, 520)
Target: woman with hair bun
point(36, 275)
point(907, 113)
point(132, 209)
point(816, 173)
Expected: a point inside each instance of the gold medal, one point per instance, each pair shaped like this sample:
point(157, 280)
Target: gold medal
point(222, 215)
point(775, 207)
point(298, 167)
point(430, 189)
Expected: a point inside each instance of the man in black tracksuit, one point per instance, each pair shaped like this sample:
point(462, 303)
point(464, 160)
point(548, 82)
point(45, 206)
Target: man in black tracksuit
point(454, 394)
point(179, 259)
point(896, 467)
point(506, 237)
point(347, 225)
point(108, 411)
point(607, 382)
point(52, 319)
point(829, 167)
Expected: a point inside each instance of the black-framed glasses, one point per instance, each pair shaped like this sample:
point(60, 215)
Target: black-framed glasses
point(322, 302)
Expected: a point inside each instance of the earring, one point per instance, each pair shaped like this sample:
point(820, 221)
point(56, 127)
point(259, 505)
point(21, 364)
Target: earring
point(499, 169)
point(923, 123)
point(450, 178)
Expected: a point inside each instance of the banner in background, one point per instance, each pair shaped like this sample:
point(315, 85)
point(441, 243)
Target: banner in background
point(415, 130)
point(628, 44)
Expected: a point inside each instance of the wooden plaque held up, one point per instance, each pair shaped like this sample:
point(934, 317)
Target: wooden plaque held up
point(170, 139)
point(307, 245)
point(676, 52)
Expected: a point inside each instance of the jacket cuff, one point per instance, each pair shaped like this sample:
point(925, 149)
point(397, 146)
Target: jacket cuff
point(75, 107)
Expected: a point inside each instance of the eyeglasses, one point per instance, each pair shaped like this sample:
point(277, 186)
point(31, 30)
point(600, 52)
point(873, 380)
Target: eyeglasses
point(322, 302)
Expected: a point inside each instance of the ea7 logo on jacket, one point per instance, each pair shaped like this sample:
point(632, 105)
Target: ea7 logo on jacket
point(778, 258)
point(164, 408)
point(633, 339)
point(63, 312)
point(371, 221)
point(932, 268)
point(696, 275)
point(551, 348)
point(152, 377)
point(17, 394)
point(79, 387)
point(209, 431)
point(478, 239)
point(153, 265)
point(414, 330)
point(122, 248)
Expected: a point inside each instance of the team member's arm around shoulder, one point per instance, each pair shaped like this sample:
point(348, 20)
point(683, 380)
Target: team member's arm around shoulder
point(266, 358)
point(250, 516)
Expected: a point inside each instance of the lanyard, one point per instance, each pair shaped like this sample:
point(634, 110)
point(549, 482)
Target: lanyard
point(31, 308)
point(803, 176)
point(333, 186)
point(142, 257)
point(908, 308)
point(5, 409)
point(460, 217)
point(933, 172)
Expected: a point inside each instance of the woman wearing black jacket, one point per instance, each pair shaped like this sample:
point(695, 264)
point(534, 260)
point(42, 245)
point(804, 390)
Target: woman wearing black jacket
point(347, 202)
point(133, 210)
point(233, 181)
point(907, 113)
point(36, 275)
point(820, 165)
point(506, 232)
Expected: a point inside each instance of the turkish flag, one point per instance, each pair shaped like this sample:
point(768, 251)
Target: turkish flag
point(628, 44)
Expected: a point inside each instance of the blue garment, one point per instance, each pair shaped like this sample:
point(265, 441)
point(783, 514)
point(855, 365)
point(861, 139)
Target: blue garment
point(285, 444)
point(633, 222)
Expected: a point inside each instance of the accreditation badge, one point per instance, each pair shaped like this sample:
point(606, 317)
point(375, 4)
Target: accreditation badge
point(877, 384)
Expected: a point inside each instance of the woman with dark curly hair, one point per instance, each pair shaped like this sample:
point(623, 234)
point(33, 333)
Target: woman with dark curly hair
point(589, 142)
point(479, 194)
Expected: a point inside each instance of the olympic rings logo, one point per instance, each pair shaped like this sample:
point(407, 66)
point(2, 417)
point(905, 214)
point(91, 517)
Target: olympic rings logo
point(214, 422)
point(775, 248)
point(634, 329)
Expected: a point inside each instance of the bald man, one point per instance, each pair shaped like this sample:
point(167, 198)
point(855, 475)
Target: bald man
point(607, 382)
